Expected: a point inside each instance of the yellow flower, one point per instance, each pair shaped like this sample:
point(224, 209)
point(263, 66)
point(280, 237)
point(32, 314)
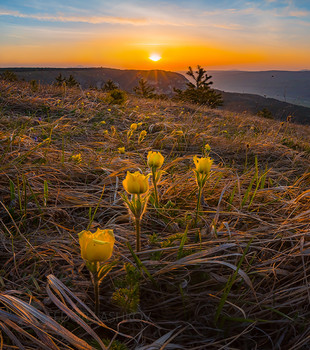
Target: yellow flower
point(96, 246)
point(121, 150)
point(77, 158)
point(133, 126)
point(203, 165)
point(155, 159)
point(136, 183)
point(139, 124)
point(142, 135)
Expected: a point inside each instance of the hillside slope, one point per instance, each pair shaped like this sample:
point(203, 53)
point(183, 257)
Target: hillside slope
point(241, 102)
point(163, 81)
point(235, 278)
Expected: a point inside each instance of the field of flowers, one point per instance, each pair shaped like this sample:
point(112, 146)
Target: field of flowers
point(150, 225)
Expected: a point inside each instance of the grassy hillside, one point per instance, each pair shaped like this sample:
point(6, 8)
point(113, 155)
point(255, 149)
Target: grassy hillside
point(239, 279)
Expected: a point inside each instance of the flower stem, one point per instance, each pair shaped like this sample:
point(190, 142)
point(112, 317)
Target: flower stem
point(96, 289)
point(198, 203)
point(155, 187)
point(138, 243)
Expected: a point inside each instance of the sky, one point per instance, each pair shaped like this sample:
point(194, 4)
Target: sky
point(216, 34)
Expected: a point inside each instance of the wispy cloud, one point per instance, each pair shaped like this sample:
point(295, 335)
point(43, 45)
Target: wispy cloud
point(153, 19)
point(82, 19)
point(299, 13)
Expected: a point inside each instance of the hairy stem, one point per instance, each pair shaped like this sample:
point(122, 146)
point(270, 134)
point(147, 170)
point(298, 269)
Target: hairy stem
point(138, 243)
point(155, 187)
point(96, 290)
point(198, 204)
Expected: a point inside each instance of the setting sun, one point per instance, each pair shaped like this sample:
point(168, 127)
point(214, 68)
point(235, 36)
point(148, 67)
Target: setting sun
point(155, 57)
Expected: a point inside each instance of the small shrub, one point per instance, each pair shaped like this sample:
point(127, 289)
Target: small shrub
point(116, 97)
point(127, 294)
point(265, 113)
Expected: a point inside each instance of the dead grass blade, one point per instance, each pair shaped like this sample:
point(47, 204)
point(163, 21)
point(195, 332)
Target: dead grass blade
point(69, 312)
point(34, 318)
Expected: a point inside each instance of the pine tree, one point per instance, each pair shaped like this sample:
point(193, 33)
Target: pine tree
point(143, 89)
point(200, 92)
point(71, 81)
point(200, 77)
point(60, 80)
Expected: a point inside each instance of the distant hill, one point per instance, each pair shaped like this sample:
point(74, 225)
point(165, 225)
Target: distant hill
point(288, 86)
point(238, 102)
point(163, 81)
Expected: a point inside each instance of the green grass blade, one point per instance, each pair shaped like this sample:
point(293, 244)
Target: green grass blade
point(230, 283)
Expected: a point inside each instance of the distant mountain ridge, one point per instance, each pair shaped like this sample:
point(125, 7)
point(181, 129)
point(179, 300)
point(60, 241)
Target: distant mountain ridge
point(163, 81)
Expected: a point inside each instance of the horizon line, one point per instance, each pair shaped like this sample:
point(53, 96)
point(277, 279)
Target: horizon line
point(176, 71)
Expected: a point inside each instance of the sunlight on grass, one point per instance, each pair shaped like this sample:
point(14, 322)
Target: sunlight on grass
point(193, 237)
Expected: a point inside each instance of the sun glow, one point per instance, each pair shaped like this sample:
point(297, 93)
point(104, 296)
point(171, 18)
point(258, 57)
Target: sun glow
point(155, 57)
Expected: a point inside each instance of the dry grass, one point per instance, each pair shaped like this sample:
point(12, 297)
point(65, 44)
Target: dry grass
point(241, 281)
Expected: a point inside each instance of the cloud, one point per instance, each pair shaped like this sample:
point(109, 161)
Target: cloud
point(299, 13)
point(83, 19)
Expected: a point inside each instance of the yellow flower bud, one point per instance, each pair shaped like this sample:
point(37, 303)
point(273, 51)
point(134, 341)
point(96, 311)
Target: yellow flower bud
point(96, 246)
point(121, 150)
point(142, 135)
point(207, 148)
point(136, 183)
point(133, 126)
point(203, 165)
point(155, 159)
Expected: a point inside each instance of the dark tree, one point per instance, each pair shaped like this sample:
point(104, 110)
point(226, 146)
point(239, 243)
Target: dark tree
point(200, 77)
point(200, 92)
point(60, 80)
point(71, 81)
point(109, 85)
point(144, 90)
